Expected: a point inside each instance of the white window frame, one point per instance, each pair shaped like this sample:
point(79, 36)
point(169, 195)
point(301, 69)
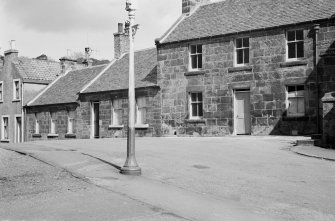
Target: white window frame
point(37, 124)
point(1, 91)
point(3, 128)
point(197, 102)
point(116, 106)
point(197, 54)
point(15, 98)
point(292, 95)
point(141, 109)
point(52, 123)
point(295, 41)
point(242, 48)
point(70, 121)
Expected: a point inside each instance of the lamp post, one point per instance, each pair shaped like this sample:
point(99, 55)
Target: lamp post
point(131, 167)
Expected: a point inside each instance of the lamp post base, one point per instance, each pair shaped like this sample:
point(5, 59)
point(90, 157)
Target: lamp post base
point(133, 171)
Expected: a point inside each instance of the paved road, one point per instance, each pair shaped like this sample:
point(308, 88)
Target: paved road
point(207, 178)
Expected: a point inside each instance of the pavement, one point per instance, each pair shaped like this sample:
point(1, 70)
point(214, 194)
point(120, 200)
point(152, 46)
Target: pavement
point(314, 151)
point(230, 178)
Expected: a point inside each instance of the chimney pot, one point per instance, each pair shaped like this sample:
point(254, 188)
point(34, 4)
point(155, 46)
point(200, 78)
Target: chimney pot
point(120, 28)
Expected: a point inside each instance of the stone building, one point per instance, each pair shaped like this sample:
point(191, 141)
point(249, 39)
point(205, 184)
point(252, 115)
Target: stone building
point(20, 80)
point(247, 67)
point(93, 102)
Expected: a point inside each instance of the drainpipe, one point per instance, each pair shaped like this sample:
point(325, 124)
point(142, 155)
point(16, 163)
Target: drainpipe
point(316, 28)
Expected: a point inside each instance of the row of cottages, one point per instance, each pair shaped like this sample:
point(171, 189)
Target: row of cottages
point(20, 80)
point(93, 102)
point(247, 67)
point(228, 67)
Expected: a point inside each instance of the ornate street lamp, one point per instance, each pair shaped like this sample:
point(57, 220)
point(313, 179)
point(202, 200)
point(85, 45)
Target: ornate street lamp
point(131, 167)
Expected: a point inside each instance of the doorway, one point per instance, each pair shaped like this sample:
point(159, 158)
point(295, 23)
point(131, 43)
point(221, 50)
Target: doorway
point(242, 125)
point(95, 120)
point(18, 129)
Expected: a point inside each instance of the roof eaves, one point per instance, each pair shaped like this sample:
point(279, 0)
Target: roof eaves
point(45, 89)
point(101, 73)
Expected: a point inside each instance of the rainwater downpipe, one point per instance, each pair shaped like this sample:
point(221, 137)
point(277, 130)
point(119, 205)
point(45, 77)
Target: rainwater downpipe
point(316, 28)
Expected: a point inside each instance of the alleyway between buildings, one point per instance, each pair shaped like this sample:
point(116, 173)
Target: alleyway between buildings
point(227, 178)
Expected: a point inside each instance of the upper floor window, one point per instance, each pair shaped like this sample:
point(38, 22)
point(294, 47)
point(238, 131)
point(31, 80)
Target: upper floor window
point(196, 105)
point(295, 44)
point(196, 57)
point(295, 100)
point(1, 91)
point(16, 89)
point(242, 51)
point(4, 128)
point(116, 117)
point(141, 110)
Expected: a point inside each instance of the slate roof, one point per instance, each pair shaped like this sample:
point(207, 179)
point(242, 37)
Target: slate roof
point(37, 70)
point(231, 16)
point(65, 88)
point(116, 77)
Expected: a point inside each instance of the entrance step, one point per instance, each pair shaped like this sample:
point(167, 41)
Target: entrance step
point(311, 142)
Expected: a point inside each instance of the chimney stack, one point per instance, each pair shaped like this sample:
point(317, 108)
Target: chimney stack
point(12, 53)
point(188, 6)
point(67, 64)
point(121, 42)
point(88, 62)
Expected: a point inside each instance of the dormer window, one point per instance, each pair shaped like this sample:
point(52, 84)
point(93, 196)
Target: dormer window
point(195, 57)
point(295, 44)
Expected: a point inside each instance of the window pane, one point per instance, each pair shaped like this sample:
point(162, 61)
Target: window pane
point(200, 97)
point(301, 105)
point(200, 110)
point(246, 55)
point(300, 49)
point(194, 61)
point(194, 110)
point(300, 35)
point(193, 49)
point(239, 53)
point(246, 42)
point(199, 49)
point(300, 88)
point(291, 50)
point(199, 61)
point(291, 35)
point(239, 43)
point(291, 88)
point(193, 97)
point(143, 115)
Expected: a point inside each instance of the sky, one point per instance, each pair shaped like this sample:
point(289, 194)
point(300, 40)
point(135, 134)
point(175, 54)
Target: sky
point(62, 27)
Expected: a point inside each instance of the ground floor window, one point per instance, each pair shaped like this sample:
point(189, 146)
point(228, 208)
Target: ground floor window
point(52, 123)
point(295, 100)
point(196, 105)
point(37, 124)
point(5, 128)
point(116, 116)
point(70, 120)
point(141, 110)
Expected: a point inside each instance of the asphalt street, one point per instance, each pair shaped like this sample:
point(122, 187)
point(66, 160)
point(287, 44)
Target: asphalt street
point(229, 178)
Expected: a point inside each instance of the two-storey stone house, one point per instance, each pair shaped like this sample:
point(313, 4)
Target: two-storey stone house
point(20, 80)
point(247, 67)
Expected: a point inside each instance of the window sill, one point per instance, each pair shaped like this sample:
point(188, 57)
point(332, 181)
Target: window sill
point(141, 126)
point(52, 135)
point(15, 100)
point(1, 101)
point(194, 73)
point(36, 135)
point(70, 136)
point(195, 121)
point(5, 141)
point(240, 68)
point(115, 127)
point(293, 63)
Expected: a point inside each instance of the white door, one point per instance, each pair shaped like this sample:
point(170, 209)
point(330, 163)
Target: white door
point(242, 112)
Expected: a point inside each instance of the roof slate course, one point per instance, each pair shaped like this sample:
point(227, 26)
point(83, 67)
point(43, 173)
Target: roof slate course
point(65, 89)
point(231, 16)
point(116, 77)
point(39, 70)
